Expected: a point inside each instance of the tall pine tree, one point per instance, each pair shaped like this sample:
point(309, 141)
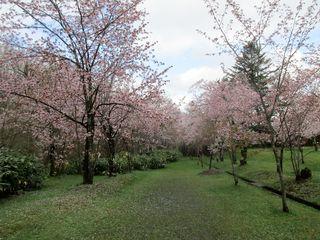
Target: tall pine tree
point(253, 65)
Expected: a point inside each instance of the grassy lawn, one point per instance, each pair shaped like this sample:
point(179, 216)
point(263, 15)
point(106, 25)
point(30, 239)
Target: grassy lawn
point(261, 167)
point(172, 203)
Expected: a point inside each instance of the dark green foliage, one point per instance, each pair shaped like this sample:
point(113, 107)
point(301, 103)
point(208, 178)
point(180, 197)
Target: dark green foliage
point(253, 67)
point(100, 167)
point(123, 162)
point(244, 156)
point(168, 155)
point(253, 64)
point(19, 172)
point(72, 167)
point(305, 173)
point(172, 157)
point(140, 162)
point(126, 162)
point(193, 150)
point(156, 162)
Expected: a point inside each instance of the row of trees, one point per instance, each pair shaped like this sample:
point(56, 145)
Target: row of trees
point(271, 93)
point(80, 75)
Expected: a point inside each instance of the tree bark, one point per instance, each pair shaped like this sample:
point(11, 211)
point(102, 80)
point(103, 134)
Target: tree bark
point(233, 158)
point(210, 163)
point(281, 157)
point(315, 144)
point(280, 174)
point(112, 149)
point(244, 155)
point(51, 158)
point(301, 154)
point(111, 144)
point(221, 153)
point(88, 150)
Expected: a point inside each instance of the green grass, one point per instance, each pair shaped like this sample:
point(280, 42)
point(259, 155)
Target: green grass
point(172, 203)
point(261, 167)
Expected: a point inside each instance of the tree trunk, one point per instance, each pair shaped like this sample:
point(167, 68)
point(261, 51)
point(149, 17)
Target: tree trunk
point(112, 149)
point(281, 157)
point(79, 150)
point(244, 155)
point(221, 154)
point(129, 161)
point(199, 156)
point(280, 174)
point(88, 150)
point(210, 163)
point(301, 153)
point(315, 144)
point(233, 158)
point(295, 161)
point(201, 161)
point(51, 158)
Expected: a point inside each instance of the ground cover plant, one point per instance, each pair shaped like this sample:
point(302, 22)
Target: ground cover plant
point(172, 203)
point(260, 168)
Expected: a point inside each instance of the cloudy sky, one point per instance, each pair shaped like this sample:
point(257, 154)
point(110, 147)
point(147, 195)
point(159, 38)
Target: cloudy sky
point(174, 24)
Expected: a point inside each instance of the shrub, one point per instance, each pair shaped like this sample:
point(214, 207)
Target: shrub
point(140, 162)
point(101, 167)
point(156, 161)
point(171, 156)
point(122, 162)
point(305, 173)
point(19, 172)
point(71, 167)
point(168, 155)
point(125, 162)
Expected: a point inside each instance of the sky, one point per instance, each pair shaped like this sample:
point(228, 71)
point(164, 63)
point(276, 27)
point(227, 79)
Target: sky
point(173, 24)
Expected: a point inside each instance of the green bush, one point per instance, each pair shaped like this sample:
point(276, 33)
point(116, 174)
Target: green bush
point(140, 162)
point(123, 163)
point(19, 172)
point(101, 166)
point(156, 161)
point(171, 156)
point(70, 167)
point(168, 155)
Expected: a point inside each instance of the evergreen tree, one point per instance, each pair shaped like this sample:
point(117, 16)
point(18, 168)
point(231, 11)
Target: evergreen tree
point(253, 65)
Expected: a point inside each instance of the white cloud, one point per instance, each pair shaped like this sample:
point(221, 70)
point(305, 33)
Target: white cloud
point(180, 86)
point(173, 24)
point(185, 80)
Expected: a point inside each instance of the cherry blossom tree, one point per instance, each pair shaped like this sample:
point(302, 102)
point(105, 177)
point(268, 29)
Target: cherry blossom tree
point(232, 105)
point(301, 113)
point(86, 46)
point(154, 126)
point(282, 30)
point(142, 111)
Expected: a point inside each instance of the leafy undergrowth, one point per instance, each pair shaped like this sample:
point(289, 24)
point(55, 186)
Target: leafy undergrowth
point(261, 167)
point(172, 203)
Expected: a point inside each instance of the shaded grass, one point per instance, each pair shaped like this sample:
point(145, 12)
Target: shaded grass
point(172, 203)
point(261, 167)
